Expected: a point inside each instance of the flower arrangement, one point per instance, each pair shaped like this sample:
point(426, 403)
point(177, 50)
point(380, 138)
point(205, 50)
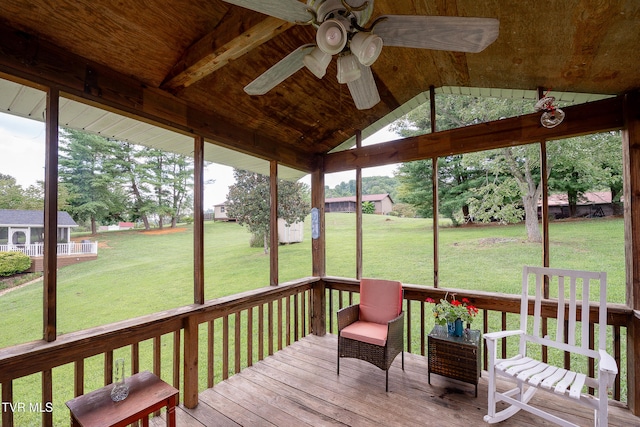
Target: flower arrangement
point(445, 311)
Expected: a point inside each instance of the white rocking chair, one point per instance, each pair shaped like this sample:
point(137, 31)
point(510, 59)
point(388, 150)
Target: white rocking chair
point(529, 374)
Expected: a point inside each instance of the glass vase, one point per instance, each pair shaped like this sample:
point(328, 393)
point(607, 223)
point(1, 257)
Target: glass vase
point(455, 328)
point(120, 389)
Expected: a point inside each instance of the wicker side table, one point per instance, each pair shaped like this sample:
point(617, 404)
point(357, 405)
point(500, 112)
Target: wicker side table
point(455, 357)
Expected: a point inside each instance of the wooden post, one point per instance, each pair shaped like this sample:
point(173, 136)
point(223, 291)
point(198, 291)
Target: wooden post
point(358, 211)
point(198, 221)
point(318, 247)
point(50, 260)
point(631, 164)
point(434, 190)
point(273, 220)
point(190, 362)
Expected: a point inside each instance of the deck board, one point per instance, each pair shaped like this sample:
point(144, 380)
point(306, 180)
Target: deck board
point(299, 386)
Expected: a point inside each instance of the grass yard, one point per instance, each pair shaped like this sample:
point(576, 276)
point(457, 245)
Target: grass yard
point(139, 273)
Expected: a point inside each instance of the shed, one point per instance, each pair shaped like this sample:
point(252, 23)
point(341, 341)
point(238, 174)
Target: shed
point(591, 204)
point(25, 227)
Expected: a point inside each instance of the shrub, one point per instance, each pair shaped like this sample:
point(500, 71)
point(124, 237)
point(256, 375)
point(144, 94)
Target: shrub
point(13, 262)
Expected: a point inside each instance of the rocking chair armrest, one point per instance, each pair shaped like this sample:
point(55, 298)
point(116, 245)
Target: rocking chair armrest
point(494, 336)
point(348, 315)
point(607, 364)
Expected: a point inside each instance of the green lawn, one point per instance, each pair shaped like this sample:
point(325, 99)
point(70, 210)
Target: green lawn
point(138, 273)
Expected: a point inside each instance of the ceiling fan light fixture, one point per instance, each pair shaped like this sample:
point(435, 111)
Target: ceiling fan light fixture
point(331, 37)
point(317, 62)
point(348, 69)
point(366, 47)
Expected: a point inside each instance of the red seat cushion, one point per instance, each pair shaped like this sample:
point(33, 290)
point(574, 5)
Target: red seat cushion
point(372, 333)
point(380, 300)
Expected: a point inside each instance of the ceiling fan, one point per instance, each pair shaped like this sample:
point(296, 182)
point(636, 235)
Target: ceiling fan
point(341, 30)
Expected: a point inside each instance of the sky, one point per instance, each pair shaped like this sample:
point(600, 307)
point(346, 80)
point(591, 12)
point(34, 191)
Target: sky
point(22, 143)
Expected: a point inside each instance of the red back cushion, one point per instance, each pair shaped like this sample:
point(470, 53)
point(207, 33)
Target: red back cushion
point(380, 300)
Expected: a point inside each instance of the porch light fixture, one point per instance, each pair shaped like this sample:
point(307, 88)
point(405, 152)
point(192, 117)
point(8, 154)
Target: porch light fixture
point(332, 35)
point(552, 116)
point(317, 62)
point(348, 69)
point(366, 47)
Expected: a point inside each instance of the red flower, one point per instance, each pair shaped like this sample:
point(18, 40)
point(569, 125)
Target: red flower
point(466, 300)
point(431, 300)
point(456, 302)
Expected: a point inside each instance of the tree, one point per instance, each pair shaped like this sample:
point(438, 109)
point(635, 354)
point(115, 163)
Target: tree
point(249, 202)
point(368, 208)
point(87, 170)
point(586, 163)
point(370, 185)
point(476, 181)
point(11, 194)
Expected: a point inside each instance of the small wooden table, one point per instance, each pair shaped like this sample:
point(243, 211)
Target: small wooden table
point(455, 357)
point(147, 394)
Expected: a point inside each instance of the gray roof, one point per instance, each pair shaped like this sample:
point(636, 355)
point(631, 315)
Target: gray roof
point(11, 217)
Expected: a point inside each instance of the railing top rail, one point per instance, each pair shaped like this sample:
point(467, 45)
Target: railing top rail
point(36, 356)
point(617, 314)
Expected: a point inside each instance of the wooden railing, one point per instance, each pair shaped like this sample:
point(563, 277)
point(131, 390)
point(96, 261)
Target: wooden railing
point(227, 334)
point(236, 331)
point(37, 249)
point(494, 308)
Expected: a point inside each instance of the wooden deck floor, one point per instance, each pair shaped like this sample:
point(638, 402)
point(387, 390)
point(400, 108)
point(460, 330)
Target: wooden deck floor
point(298, 386)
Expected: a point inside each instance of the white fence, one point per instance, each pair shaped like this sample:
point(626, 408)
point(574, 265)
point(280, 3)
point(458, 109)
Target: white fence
point(37, 249)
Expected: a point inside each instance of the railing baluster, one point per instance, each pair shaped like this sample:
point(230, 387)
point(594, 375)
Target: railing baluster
point(331, 311)
point(617, 356)
point(47, 397)
point(210, 354)
point(135, 358)
point(423, 331)
point(176, 361)
point(504, 340)
point(157, 361)
point(306, 297)
point(296, 314)
point(237, 343)
point(485, 329)
point(261, 332)
point(108, 367)
point(288, 321)
point(7, 397)
point(280, 324)
point(409, 323)
point(225, 348)
point(270, 327)
point(78, 375)
point(250, 337)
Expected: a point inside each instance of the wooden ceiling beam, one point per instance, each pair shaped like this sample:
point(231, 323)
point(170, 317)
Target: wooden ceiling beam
point(36, 60)
point(598, 116)
point(229, 41)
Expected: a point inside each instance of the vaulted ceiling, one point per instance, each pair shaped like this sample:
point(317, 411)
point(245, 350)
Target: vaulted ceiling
point(193, 58)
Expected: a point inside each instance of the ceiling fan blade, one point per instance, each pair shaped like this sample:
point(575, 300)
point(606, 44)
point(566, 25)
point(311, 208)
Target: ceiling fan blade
point(288, 10)
point(364, 90)
point(455, 33)
point(279, 72)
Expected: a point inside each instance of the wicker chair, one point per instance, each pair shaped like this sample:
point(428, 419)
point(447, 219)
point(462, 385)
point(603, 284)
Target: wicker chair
point(373, 330)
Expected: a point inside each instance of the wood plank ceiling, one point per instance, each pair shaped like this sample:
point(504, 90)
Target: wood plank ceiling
point(202, 54)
